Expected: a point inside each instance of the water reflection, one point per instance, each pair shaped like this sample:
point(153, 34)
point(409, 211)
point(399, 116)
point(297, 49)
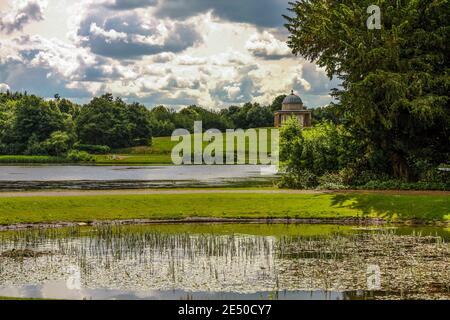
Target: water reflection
point(109, 177)
point(223, 262)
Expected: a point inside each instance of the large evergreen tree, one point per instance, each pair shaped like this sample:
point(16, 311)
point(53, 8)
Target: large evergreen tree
point(395, 80)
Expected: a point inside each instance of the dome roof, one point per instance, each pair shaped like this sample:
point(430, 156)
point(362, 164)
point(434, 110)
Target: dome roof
point(292, 99)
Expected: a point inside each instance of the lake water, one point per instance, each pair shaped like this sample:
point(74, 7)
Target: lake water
point(226, 261)
point(104, 177)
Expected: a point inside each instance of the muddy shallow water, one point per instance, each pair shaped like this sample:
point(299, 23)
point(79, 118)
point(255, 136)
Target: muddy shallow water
point(221, 261)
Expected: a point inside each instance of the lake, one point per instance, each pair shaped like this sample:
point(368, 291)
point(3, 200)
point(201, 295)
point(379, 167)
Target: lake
point(226, 261)
point(113, 177)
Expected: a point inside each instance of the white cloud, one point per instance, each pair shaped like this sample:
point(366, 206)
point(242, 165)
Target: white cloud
point(191, 61)
point(163, 57)
point(126, 48)
point(21, 13)
point(4, 87)
point(109, 36)
point(266, 46)
point(131, 34)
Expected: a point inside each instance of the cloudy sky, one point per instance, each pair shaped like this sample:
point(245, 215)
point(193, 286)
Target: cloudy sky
point(173, 52)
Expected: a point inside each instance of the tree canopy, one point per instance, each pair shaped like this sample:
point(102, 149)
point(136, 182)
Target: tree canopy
point(395, 80)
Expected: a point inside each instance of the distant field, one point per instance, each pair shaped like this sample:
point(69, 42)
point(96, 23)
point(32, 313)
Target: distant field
point(160, 152)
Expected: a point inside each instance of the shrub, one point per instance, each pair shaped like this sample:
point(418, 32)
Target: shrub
point(91, 148)
point(57, 144)
point(299, 179)
point(35, 147)
point(79, 156)
point(331, 181)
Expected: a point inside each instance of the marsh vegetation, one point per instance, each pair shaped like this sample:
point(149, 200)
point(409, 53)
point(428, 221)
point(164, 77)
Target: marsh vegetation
point(211, 261)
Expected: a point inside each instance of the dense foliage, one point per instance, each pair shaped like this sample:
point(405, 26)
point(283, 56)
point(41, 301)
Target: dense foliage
point(114, 123)
point(328, 156)
point(250, 115)
point(394, 101)
point(30, 125)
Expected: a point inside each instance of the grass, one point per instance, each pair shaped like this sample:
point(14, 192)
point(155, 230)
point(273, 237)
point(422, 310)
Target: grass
point(159, 152)
point(31, 159)
point(234, 205)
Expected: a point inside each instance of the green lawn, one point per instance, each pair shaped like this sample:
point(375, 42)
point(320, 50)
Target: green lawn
point(159, 152)
point(234, 205)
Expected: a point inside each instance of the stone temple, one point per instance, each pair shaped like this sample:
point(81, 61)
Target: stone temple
point(292, 107)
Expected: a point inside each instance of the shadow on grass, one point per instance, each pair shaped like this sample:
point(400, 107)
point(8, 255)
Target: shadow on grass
point(391, 206)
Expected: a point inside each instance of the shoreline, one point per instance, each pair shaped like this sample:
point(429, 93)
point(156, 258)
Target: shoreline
point(211, 190)
point(212, 220)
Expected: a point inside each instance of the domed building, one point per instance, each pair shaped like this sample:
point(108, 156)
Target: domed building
point(292, 106)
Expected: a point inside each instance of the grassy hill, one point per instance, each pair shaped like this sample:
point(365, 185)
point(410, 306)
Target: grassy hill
point(159, 152)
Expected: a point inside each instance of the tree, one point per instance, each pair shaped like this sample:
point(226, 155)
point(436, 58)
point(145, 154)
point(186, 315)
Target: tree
point(395, 80)
point(277, 103)
point(326, 113)
point(141, 128)
point(57, 144)
point(105, 121)
point(34, 115)
point(259, 117)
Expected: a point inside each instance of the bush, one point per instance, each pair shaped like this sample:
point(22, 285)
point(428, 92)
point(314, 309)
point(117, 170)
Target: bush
point(57, 144)
point(35, 147)
point(331, 181)
point(79, 156)
point(303, 179)
point(91, 148)
point(434, 175)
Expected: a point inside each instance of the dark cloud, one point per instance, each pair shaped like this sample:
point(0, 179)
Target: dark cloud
point(130, 4)
point(96, 72)
point(19, 16)
point(128, 36)
point(180, 83)
point(39, 80)
point(235, 92)
point(263, 13)
point(313, 85)
point(318, 80)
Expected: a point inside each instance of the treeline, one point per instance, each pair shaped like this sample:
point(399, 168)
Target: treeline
point(250, 115)
point(30, 125)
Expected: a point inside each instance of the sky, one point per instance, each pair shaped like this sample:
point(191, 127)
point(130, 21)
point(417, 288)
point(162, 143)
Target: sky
point(213, 53)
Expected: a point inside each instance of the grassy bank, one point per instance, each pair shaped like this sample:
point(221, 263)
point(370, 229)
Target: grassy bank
point(19, 159)
point(220, 205)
